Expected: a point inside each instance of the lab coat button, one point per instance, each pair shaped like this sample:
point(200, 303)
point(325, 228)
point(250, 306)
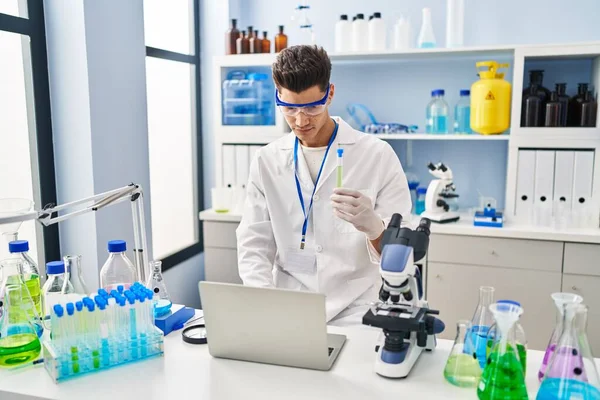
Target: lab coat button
point(316, 197)
point(319, 248)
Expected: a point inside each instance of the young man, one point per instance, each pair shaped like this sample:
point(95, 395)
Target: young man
point(299, 231)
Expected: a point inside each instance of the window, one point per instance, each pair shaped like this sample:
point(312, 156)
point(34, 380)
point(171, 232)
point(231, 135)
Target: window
point(174, 128)
point(26, 153)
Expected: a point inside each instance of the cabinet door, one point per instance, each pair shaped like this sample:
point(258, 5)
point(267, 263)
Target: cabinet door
point(589, 288)
point(220, 265)
point(454, 290)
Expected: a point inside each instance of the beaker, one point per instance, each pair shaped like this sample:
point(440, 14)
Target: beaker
point(75, 275)
point(560, 300)
point(156, 283)
point(516, 335)
point(502, 377)
point(21, 306)
point(19, 342)
point(572, 373)
point(462, 369)
point(480, 325)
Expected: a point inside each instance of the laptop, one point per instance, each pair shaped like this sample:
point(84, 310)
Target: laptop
point(271, 326)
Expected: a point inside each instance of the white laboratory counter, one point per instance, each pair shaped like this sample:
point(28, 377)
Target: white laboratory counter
point(465, 227)
point(188, 371)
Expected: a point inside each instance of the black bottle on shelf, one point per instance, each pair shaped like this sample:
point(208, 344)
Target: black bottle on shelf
point(536, 77)
point(532, 109)
point(563, 99)
point(574, 117)
point(553, 111)
point(588, 110)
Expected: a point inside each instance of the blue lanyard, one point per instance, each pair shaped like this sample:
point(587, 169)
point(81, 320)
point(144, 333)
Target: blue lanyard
point(304, 211)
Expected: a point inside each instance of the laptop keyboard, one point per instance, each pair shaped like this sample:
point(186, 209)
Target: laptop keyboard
point(330, 350)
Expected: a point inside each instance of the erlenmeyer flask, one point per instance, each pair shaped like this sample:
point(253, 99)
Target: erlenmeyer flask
point(480, 325)
point(156, 283)
point(21, 308)
point(462, 369)
point(572, 373)
point(73, 268)
point(502, 377)
point(516, 335)
point(19, 342)
point(560, 300)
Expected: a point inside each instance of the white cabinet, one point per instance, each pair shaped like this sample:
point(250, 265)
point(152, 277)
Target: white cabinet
point(454, 290)
point(220, 252)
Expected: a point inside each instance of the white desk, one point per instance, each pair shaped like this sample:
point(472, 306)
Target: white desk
point(188, 371)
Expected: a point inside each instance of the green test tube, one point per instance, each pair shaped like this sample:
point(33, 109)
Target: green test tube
point(340, 167)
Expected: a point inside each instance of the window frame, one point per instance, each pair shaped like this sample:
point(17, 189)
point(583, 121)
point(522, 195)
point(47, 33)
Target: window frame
point(34, 27)
point(182, 255)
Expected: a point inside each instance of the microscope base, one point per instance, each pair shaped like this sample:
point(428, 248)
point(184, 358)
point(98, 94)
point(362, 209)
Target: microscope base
point(441, 218)
point(403, 368)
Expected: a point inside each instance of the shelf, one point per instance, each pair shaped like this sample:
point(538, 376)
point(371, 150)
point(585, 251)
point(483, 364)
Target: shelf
point(557, 133)
point(266, 60)
point(430, 136)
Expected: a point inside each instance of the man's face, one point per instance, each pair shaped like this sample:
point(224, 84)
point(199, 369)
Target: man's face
point(306, 127)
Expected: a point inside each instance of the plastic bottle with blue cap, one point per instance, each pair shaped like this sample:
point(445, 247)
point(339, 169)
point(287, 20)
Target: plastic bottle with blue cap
point(30, 271)
point(437, 113)
point(462, 113)
point(118, 270)
point(56, 289)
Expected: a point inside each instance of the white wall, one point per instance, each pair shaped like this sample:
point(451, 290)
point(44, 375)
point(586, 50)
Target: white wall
point(98, 100)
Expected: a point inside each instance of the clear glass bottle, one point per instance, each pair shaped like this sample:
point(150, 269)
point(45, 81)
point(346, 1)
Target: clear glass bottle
point(480, 325)
point(19, 341)
point(30, 272)
point(118, 269)
point(156, 283)
point(56, 289)
point(20, 306)
point(437, 113)
point(462, 369)
point(572, 372)
point(426, 37)
point(462, 113)
point(516, 335)
point(75, 274)
point(560, 301)
point(280, 40)
point(503, 376)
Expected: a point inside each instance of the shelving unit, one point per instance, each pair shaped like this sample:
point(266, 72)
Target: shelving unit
point(428, 61)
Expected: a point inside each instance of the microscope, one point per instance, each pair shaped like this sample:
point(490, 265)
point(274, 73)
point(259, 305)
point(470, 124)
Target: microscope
point(404, 315)
point(439, 193)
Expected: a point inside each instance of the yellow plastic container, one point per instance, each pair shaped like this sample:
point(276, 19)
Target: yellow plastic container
point(490, 100)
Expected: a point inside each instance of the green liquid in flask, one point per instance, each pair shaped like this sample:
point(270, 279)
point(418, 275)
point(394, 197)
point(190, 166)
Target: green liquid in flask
point(462, 370)
point(502, 378)
point(19, 349)
point(521, 350)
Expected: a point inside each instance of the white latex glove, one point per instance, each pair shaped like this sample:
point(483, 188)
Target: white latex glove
point(356, 208)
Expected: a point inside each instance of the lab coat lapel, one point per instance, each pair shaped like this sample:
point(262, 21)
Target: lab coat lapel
point(345, 136)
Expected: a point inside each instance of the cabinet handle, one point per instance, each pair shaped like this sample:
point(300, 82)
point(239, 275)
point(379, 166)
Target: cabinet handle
point(575, 288)
point(493, 252)
point(438, 276)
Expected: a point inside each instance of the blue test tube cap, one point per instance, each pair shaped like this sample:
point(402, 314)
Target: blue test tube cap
point(122, 301)
point(91, 306)
point(79, 305)
point(98, 299)
point(58, 310)
point(340, 152)
point(103, 292)
point(102, 305)
point(70, 308)
point(120, 289)
point(113, 293)
point(149, 294)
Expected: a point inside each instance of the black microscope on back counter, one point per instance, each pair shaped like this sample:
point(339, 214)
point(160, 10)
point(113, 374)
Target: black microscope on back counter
point(404, 315)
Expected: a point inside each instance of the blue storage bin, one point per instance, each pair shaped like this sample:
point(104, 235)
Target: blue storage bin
point(248, 99)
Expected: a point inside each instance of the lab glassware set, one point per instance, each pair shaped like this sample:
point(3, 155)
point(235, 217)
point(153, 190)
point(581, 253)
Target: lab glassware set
point(360, 35)
point(484, 109)
point(544, 108)
point(490, 352)
point(250, 41)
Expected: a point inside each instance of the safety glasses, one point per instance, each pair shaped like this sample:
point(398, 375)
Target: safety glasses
point(310, 109)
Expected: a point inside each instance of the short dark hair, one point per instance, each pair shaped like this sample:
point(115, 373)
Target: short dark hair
point(298, 68)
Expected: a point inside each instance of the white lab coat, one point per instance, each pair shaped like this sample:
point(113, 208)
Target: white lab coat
point(346, 265)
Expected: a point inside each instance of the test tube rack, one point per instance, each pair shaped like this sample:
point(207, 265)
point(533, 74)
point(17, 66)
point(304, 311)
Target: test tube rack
point(63, 365)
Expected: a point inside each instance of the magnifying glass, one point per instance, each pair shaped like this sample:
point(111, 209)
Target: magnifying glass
point(195, 334)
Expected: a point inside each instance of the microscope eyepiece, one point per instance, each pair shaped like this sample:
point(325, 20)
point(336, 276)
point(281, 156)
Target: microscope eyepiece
point(396, 221)
point(431, 166)
point(424, 226)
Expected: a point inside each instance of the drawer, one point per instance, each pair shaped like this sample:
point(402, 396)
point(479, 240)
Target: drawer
point(220, 234)
point(220, 265)
point(494, 252)
point(453, 289)
point(582, 259)
point(589, 288)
